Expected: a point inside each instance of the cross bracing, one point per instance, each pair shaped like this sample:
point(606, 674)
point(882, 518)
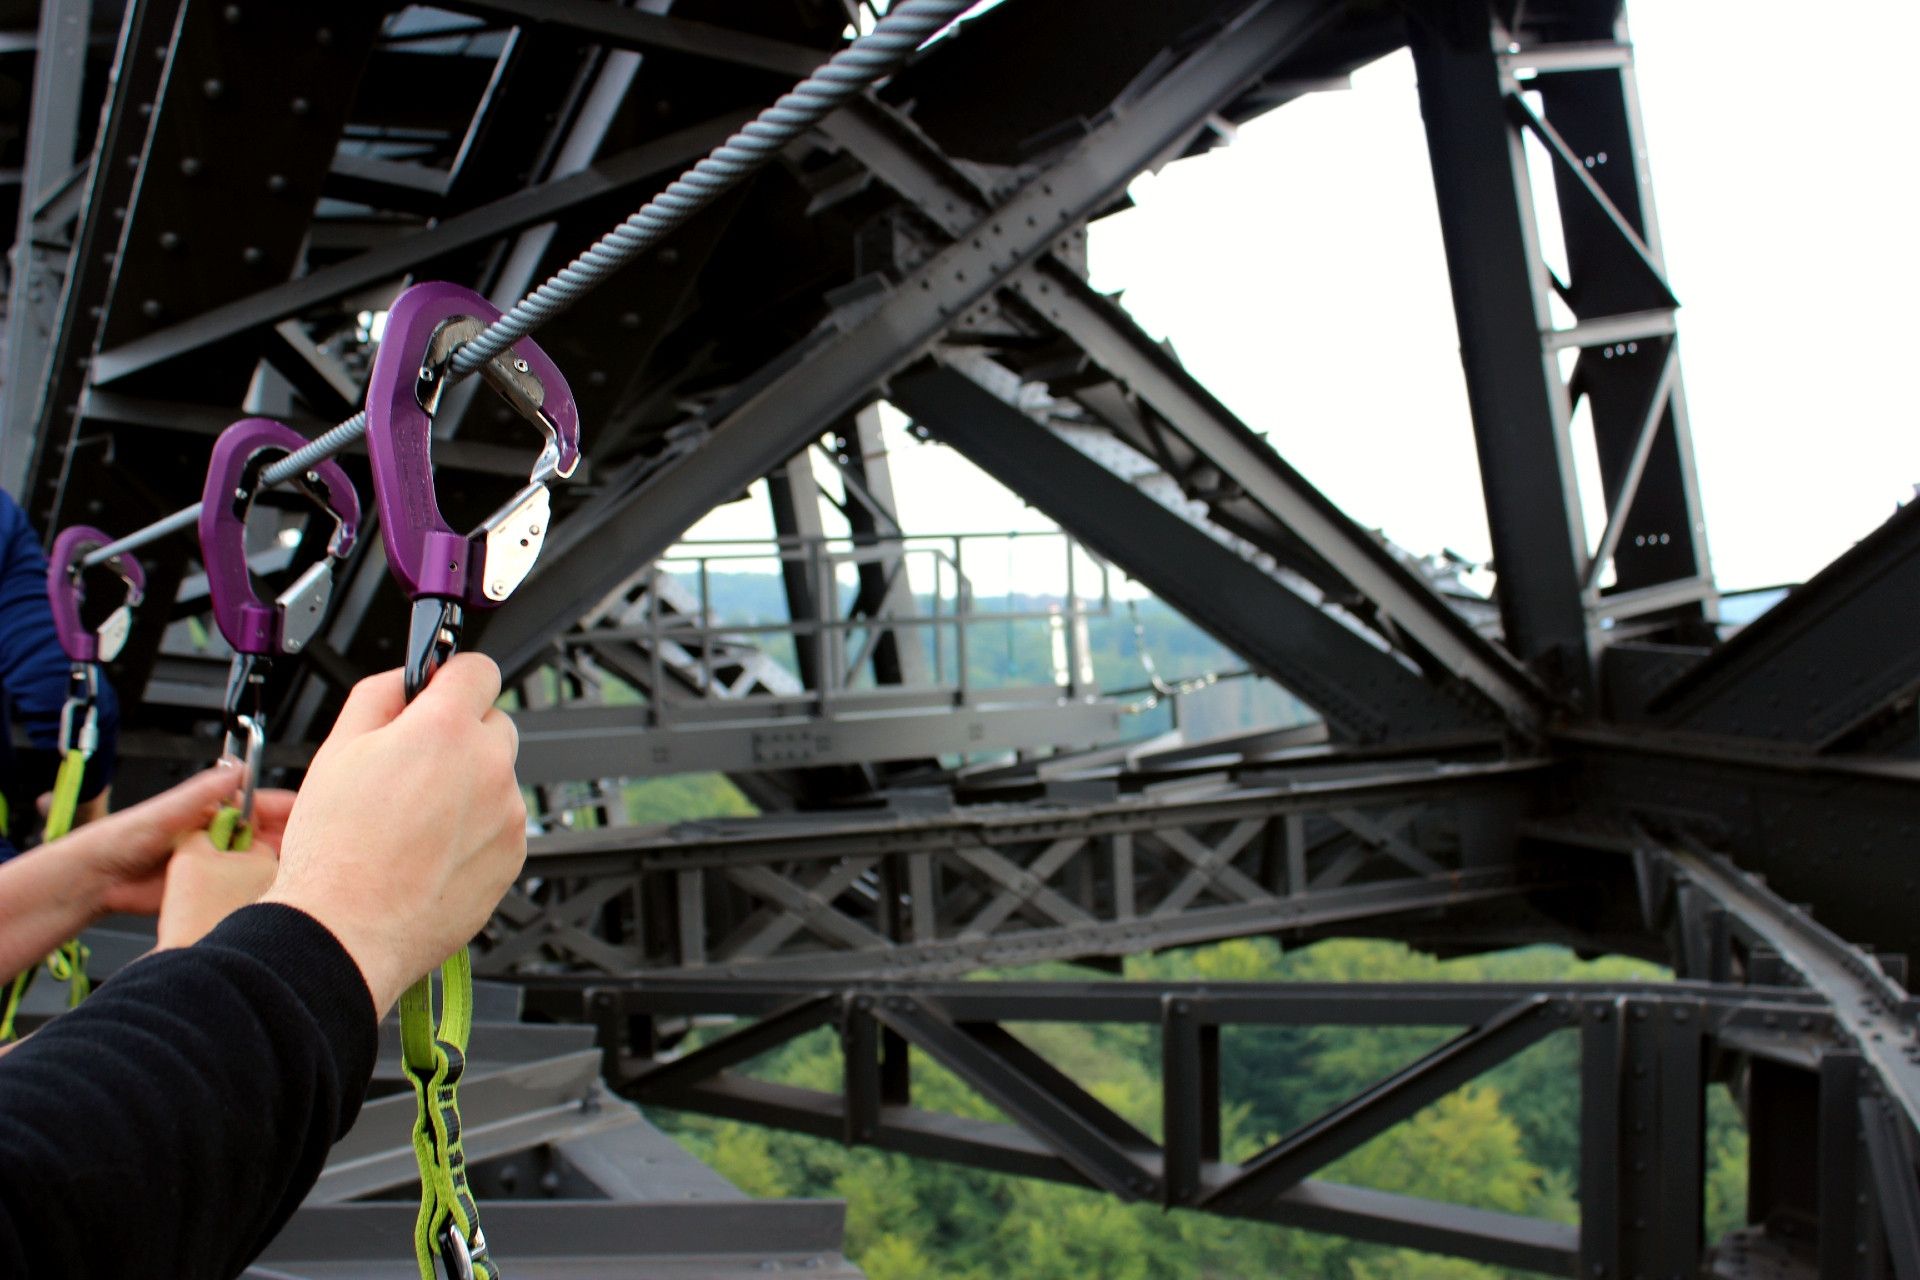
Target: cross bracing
point(215, 203)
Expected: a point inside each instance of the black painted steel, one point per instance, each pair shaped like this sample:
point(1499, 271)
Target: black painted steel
point(218, 201)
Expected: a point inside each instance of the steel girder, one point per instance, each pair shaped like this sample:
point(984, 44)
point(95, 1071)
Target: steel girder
point(1167, 415)
point(1829, 667)
point(616, 741)
point(1364, 691)
point(1831, 832)
point(795, 303)
point(628, 175)
point(1553, 588)
point(948, 891)
point(870, 339)
point(1838, 1195)
point(1645, 1053)
point(1815, 1034)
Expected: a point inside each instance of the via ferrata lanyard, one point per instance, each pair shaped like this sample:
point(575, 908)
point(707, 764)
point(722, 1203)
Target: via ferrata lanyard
point(444, 573)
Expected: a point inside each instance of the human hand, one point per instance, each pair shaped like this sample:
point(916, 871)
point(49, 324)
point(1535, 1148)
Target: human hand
point(51, 893)
point(410, 826)
point(205, 885)
point(120, 861)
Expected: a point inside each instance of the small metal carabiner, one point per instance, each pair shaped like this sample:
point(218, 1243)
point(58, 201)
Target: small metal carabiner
point(456, 1260)
point(246, 725)
point(80, 713)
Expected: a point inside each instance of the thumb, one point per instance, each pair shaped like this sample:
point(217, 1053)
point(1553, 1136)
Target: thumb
point(187, 805)
point(469, 682)
point(373, 704)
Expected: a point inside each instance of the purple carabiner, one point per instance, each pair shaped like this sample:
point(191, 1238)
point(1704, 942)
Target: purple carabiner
point(233, 480)
point(425, 326)
point(66, 591)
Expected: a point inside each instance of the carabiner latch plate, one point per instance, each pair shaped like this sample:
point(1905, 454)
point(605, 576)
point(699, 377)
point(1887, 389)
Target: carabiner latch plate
point(303, 606)
point(513, 536)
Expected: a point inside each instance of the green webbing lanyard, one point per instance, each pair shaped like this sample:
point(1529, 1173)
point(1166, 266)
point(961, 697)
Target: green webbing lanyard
point(68, 963)
point(435, 1054)
point(228, 832)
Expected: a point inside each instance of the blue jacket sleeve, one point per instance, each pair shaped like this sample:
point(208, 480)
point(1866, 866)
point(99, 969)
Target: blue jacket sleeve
point(33, 667)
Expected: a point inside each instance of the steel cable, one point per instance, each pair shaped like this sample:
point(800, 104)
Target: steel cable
point(849, 72)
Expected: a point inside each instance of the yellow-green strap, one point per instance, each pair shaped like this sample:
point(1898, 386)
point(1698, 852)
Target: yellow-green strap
point(66, 794)
point(228, 833)
point(434, 1051)
point(68, 963)
point(16, 992)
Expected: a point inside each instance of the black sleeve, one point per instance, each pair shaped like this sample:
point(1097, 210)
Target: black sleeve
point(171, 1124)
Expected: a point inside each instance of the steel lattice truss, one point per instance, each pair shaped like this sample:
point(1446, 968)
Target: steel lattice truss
point(215, 202)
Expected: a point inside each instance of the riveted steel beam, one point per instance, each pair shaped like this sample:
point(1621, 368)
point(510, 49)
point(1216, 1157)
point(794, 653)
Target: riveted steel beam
point(840, 368)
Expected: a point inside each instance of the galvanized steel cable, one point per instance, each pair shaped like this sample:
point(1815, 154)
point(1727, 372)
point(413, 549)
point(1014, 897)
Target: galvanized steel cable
point(849, 72)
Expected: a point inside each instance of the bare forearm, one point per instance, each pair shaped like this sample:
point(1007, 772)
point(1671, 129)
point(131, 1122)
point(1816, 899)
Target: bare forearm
point(45, 899)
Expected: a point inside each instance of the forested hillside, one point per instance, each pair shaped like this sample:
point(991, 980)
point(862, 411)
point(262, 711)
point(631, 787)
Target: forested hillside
point(1509, 1141)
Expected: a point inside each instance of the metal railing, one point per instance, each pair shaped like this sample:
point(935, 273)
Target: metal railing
point(926, 601)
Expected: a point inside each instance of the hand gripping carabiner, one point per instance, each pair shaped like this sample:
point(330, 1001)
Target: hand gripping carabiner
point(66, 591)
point(258, 631)
point(444, 572)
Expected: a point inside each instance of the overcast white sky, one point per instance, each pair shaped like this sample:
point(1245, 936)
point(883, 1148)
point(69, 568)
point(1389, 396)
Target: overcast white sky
point(1299, 274)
